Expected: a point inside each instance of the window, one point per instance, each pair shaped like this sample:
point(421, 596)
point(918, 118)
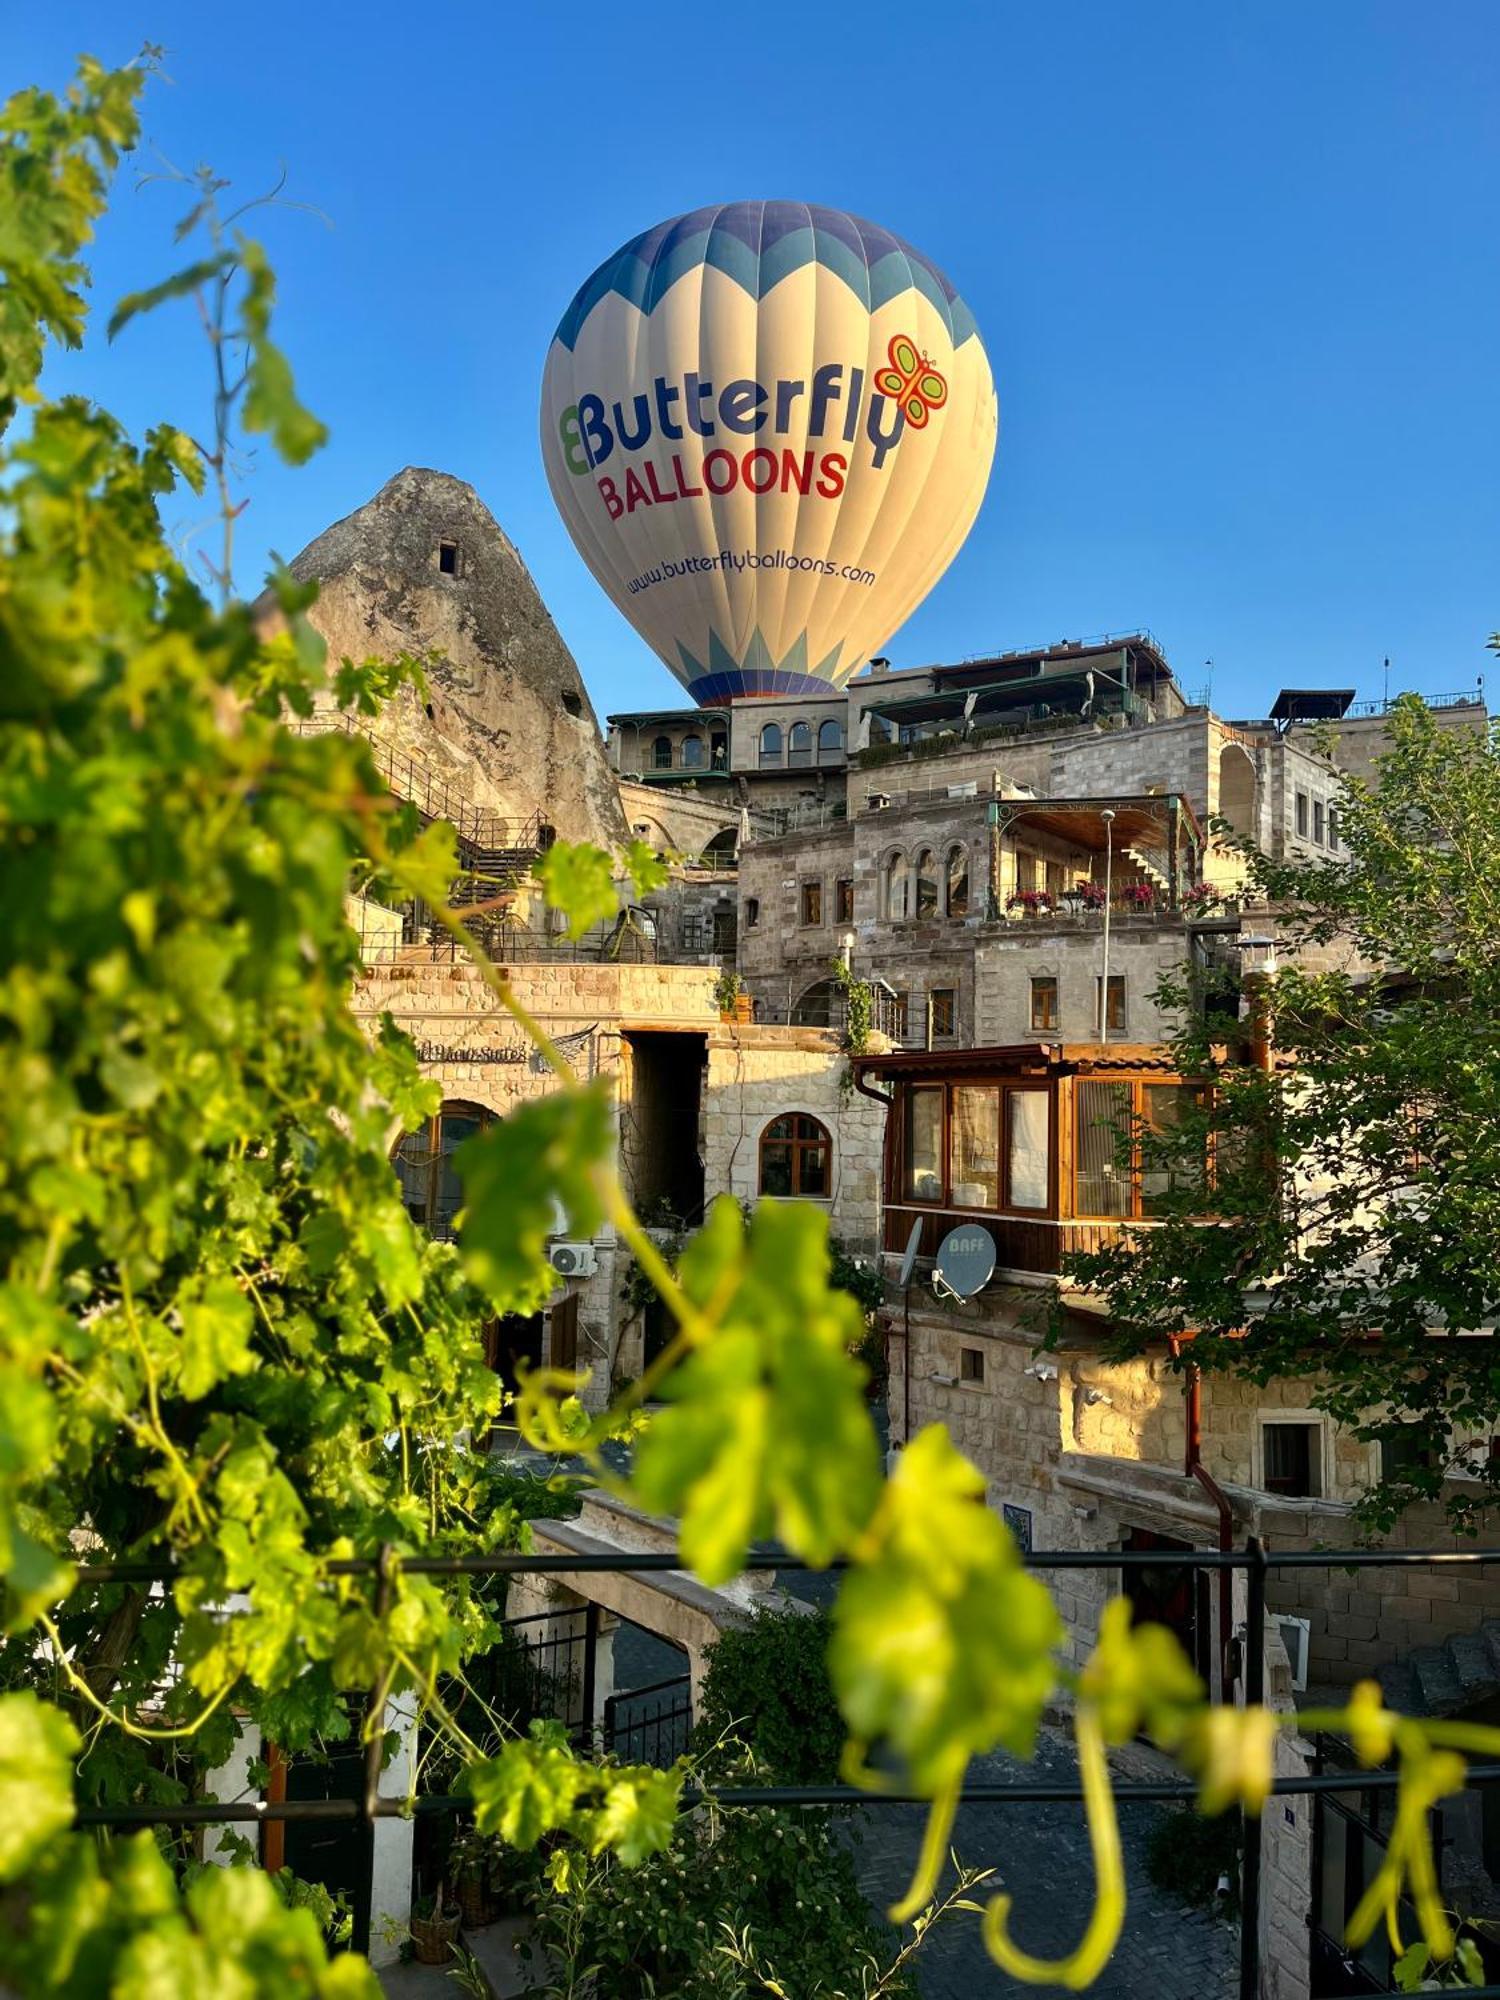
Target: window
point(1291, 1459)
point(830, 742)
point(1044, 1003)
point(818, 1006)
point(987, 1124)
point(1103, 1113)
point(1112, 1176)
point(423, 1160)
point(843, 900)
point(1406, 1452)
point(799, 744)
point(752, 912)
point(1302, 814)
point(943, 1001)
point(1115, 1022)
point(572, 703)
point(795, 1157)
point(1318, 810)
point(1028, 1130)
point(924, 1143)
point(971, 1364)
point(1162, 1108)
point(770, 744)
point(927, 888)
point(661, 754)
point(974, 1148)
point(956, 875)
point(448, 558)
point(1333, 829)
point(895, 888)
point(692, 753)
point(812, 902)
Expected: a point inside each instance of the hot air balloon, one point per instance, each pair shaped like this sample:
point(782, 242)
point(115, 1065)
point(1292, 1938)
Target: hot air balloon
point(768, 427)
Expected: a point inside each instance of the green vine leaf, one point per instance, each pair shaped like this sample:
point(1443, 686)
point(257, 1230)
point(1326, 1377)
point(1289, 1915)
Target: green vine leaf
point(765, 1428)
point(37, 1748)
point(579, 880)
point(543, 1155)
point(942, 1643)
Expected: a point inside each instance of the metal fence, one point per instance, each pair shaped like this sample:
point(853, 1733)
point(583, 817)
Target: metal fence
point(651, 1724)
point(411, 778)
point(368, 1804)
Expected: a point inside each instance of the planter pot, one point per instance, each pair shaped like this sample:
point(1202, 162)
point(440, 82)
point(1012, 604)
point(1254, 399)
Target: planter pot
point(476, 1905)
point(432, 1938)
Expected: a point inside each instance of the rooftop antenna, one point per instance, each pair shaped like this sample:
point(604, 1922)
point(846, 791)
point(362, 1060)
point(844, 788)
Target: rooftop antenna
point(1385, 686)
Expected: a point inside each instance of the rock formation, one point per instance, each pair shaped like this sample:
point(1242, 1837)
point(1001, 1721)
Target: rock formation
point(424, 568)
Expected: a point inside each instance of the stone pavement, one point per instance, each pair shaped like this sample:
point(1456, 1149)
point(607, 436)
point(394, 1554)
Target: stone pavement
point(1167, 1952)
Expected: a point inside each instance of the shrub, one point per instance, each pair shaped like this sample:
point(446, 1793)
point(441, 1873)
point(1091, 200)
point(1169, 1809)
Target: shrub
point(767, 1684)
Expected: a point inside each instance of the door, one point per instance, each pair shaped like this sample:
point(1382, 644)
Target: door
point(515, 1337)
point(1176, 1598)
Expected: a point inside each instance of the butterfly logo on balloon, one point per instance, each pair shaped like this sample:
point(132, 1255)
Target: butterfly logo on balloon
point(912, 382)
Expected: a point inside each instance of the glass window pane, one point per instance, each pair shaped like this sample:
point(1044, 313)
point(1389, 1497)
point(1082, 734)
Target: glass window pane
point(1029, 1130)
point(1043, 1002)
point(813, 1170)
point(775, 1169)
point(974, 1148)
point(1103, 1117)
point(924, 1144)
point(1162, 1108)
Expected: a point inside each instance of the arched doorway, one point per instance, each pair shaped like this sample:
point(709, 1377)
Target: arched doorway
point(1237, 789)
point(423, 1160)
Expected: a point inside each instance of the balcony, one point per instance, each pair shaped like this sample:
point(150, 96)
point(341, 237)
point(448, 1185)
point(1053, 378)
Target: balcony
point(1022, 1243)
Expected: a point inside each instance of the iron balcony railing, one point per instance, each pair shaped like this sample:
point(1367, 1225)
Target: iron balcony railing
point(368, 1804)
point(479, 828)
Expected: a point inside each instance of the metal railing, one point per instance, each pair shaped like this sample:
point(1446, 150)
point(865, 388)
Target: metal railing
point(407, 936)
point(368, 1805)
point(651, 1724)
point(1467, 698)
point(479, 828)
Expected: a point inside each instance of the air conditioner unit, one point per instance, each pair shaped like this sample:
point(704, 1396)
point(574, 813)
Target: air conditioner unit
point(573, 1260)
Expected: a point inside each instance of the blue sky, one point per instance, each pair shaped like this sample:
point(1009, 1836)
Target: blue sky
point(1235, 267)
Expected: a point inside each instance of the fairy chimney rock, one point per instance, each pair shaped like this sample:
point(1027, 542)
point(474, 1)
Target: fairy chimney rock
point(424, 568)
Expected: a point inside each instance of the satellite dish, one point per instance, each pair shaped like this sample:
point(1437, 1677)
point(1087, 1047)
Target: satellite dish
point(965, 1262)
point(908, 1262)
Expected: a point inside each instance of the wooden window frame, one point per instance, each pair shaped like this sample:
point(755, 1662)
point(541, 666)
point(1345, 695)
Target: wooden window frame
point(796, 1145)
point(843, 899)
point(898, 1194)
point(1137, 1086)
point(432, 1166)
point(1044, 979)
point(810, 899)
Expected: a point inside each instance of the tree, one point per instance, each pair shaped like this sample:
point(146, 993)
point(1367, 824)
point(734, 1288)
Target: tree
point(1355, 1237)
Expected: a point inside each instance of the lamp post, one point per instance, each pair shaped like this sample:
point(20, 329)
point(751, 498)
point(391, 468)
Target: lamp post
point(1108, 818)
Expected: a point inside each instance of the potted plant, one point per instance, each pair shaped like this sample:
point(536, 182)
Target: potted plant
point(1030, 902)
point(734, 1003)
point(1138, 896)
point(1092, 895)
point(472, 1862)
point(434, 1926)
point(1200, 898)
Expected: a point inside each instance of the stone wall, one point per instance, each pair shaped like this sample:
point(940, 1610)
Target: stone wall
point(672, 817)
point(1091, 1449)
point(757, 1074)
point(1142, 950)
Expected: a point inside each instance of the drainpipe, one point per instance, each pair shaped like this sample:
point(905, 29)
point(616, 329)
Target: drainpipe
point(1108, 818)
point(1194, 1468)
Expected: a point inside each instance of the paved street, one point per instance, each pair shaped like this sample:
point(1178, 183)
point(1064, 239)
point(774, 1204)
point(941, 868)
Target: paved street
point(1168, 1952)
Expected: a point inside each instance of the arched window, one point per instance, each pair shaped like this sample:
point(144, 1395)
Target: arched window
point(927, 883)
point(815, 1007)
point(692, 753)
point(770, 744)
point(661, 754)
point(830, 741)
point(895, 889)
point(957, 877)
point(799, 744)
point(424, 1166)
point(723, 850)
point(796, 1157)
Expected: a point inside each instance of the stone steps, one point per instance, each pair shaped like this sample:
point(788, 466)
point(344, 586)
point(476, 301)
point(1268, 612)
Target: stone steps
point(1442, 1680)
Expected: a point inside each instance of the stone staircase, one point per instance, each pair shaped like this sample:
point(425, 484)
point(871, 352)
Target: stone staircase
point(1443, 1680)
point(1150, 869)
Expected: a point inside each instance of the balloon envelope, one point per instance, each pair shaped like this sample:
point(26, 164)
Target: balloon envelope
point(768, 428)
